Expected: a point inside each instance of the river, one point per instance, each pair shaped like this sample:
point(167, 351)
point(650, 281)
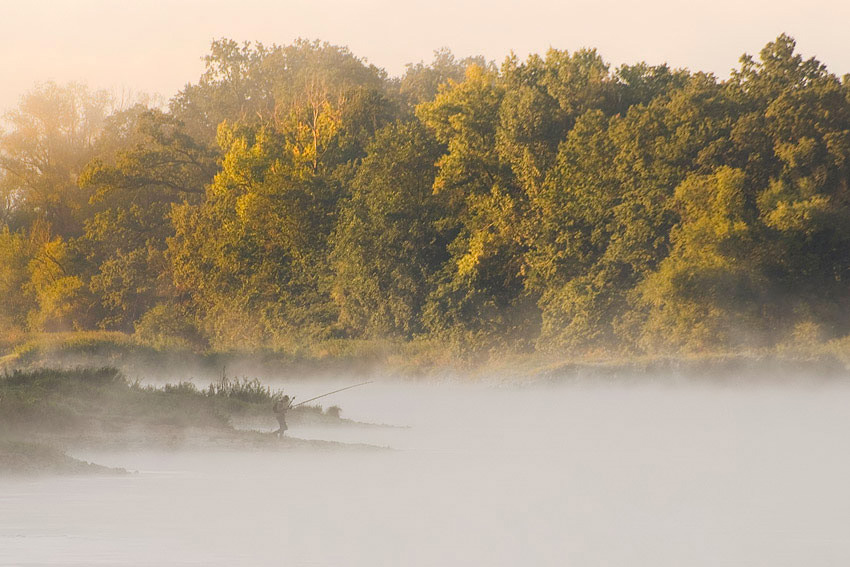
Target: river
point(581, 475)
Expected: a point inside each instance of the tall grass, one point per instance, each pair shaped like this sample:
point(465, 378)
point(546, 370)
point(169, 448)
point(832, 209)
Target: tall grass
point(250, 391)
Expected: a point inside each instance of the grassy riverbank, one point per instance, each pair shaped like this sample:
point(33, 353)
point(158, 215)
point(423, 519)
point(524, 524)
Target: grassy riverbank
point(45, 412)
point(407, 360)
point(66, 392)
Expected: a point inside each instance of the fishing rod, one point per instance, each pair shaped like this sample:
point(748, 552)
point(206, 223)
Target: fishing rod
point(329, 393)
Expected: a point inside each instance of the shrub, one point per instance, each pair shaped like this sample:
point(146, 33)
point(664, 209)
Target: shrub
point(166, 326)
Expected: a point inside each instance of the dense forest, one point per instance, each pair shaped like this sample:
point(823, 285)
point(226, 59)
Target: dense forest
point(296, 194)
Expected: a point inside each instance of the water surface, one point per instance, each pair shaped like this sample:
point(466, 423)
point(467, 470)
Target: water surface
point(498, 476)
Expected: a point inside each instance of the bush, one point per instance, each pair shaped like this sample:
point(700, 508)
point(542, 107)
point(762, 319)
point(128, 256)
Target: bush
point(166, 326)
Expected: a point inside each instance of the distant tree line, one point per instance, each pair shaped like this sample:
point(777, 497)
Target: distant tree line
point(296, 193)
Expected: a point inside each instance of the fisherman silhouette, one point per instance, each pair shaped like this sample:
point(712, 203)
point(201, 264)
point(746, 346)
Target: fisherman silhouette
point(285, 404)
point(280, 408)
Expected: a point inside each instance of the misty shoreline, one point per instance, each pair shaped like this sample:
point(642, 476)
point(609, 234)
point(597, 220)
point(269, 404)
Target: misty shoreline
point(397, 361)
point(27, 459)
point(49, 414)
point(76, 394)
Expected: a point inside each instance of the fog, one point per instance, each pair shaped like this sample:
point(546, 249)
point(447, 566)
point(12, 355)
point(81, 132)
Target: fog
point(580, 474)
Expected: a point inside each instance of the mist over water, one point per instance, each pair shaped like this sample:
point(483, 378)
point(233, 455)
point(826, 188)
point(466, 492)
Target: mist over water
point(584, 474)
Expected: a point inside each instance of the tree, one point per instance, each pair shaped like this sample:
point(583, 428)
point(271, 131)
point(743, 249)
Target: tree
point(53, 135)
point(133, 188)
point(16, 251)
point(710, 291)
point(480, 295)
point(387, 246)
point(421, 83)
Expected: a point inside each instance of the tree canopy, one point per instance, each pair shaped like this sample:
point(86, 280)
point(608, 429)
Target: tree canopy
point(295, 193)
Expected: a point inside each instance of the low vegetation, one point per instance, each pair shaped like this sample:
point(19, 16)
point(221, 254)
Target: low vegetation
point(27, 459)
point(45, 410)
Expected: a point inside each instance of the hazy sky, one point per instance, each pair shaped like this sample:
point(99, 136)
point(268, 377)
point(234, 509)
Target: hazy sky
point(156, 45)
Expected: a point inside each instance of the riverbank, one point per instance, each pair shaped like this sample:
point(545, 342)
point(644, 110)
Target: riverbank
point(46, 413)
point(29, 459)
point(414, 361)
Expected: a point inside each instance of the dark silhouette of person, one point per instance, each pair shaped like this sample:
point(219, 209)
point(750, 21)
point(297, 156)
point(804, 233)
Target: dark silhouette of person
point(280, 408)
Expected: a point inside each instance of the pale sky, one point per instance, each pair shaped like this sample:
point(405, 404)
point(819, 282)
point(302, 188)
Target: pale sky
point(156, 46)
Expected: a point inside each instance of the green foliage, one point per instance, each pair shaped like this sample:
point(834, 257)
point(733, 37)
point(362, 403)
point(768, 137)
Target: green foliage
point(256, 244)
point(16, 252)
point(169, 327)
point(422, 82)
point(479, 293)
point(297, 200)
point(62, 299)
point(709, 290)
point(158, 167)
point(387, 245)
